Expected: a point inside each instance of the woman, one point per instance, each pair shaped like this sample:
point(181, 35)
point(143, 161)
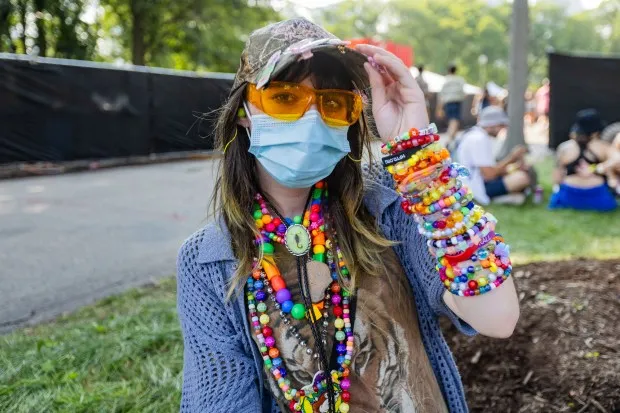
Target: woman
point(530, 108)
point(313, 290)
point(584, 165)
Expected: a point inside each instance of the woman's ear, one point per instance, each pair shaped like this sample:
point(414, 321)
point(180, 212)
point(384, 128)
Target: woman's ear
point(242, 118)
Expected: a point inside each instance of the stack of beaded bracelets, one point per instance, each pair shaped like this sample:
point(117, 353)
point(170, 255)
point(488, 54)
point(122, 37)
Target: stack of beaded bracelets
point(472, 258)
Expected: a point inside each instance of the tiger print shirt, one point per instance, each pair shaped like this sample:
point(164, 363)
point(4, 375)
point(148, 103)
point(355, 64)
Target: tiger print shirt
point(390, 370)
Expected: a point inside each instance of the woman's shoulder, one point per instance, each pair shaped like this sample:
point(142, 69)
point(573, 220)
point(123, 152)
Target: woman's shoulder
point(567, 150)
point(203, 250)
point(600, 148)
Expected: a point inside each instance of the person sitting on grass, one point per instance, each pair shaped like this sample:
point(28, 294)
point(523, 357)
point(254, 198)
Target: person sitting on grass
point(504, 181)
point(585, 163)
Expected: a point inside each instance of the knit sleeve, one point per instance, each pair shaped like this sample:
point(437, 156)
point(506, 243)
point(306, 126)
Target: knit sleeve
point(218, 375)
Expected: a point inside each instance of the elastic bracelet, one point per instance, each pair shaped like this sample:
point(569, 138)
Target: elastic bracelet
point(407, 206)
point(435, 189)
point(475, 234)
point(418, 142)
point(454, 258)
point(445, 202)
point(414, 135)
point(447, 213)
point(419, 180)
point(490, 267)
point(399, 157)
point(421, 165)
point(431, 153)
point(465, 248)
point(450, 227)
point(435, 195)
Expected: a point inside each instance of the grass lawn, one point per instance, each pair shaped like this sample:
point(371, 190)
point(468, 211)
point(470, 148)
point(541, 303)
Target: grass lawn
point(124, 354)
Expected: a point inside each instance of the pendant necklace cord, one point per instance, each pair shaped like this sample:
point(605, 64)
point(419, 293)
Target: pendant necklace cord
point(302, 273)
point(302, 276)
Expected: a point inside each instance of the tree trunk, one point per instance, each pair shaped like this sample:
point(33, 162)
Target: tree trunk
point(518, 75)
point(138, 50)
point(6, 9)
point(23, 11)
point(39, 10)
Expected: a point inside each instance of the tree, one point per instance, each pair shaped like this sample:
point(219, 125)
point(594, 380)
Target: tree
point(46, 28)
point(518, 75)
point(184, 34)
point(349, 20)
point(7, 13)
point(608, 16)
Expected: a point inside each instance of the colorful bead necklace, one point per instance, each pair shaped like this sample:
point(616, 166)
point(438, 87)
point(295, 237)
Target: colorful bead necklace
point(275, 230)
point(266, 280)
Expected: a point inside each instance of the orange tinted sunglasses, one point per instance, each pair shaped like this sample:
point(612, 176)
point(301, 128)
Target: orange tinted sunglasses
point(289, 101)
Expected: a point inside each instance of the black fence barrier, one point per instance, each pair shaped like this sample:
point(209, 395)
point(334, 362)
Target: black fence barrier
point(581, 82)
point(60, 110)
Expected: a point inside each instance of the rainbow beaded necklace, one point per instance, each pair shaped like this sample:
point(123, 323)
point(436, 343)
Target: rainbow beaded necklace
point(266, 281)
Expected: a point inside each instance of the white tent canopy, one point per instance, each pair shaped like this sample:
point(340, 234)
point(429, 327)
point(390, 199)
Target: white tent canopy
point(435, 83)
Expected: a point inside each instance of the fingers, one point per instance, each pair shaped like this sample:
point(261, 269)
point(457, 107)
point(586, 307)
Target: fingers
point(393, 64)
point(370, 50)
point(377, 85)
point(397, 68)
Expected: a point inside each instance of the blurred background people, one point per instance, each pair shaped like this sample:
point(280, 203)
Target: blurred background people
point(542, 102)
point(423, 85)
point(585, 166)
point(611, 134)
point(481, 101)
point(450, 101)
point(503, 181)
point(530, 108)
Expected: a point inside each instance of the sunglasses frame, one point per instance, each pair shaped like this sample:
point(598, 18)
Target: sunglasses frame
point(255, 96)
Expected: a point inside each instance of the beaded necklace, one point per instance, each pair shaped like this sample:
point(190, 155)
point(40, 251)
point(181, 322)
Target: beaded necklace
point(266, 280)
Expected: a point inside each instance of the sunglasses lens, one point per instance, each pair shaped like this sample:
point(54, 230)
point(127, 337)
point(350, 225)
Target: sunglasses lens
point(285, 101)
point(339, 108)
point(289, 101)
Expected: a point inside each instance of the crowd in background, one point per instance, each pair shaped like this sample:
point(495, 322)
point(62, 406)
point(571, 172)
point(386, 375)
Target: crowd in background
point(587, 164)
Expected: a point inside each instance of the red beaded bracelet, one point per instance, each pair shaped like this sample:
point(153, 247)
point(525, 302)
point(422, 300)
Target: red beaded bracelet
point(414, 137)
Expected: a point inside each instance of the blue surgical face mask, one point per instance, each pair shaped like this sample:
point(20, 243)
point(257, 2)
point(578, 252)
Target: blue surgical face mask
point(297, 154)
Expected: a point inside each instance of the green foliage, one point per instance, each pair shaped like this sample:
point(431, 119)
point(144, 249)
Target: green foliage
point(209, 34)
point(443, 32)
point(47, 28)
point(183, 34)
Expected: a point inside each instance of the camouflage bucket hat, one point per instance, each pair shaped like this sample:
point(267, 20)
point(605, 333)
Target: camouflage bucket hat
point(273, 48)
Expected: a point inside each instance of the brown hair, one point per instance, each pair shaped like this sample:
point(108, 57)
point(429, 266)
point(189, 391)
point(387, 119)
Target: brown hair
point(236, 184)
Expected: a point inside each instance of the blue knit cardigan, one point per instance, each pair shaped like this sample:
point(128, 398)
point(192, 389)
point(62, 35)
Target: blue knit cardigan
point(223, 370)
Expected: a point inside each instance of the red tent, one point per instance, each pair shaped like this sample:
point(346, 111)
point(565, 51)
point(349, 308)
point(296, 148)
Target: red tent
point(405, 53)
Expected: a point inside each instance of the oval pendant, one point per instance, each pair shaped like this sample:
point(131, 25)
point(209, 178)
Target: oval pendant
point(297, 240)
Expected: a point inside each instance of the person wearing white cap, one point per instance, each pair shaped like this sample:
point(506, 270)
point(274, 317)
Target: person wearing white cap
point(503, 181)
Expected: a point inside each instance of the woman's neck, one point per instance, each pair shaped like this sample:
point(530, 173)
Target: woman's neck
point(288, 201)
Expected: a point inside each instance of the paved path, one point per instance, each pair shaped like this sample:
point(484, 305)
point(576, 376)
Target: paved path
point(68, 240)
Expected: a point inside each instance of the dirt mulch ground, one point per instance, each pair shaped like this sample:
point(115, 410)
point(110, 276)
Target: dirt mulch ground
point(565, 353)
